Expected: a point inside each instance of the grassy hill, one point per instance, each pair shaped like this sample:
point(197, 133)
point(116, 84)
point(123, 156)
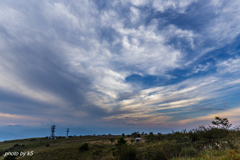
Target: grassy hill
point(62, 148)
point(203, 143)
point(100, 147)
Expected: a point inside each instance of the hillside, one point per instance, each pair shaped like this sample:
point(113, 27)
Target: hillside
point(170, 146)
point(62, 148)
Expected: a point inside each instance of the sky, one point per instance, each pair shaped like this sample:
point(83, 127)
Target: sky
point(119, 65)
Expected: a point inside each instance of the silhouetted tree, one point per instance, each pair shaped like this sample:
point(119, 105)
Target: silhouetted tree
point(222, 122)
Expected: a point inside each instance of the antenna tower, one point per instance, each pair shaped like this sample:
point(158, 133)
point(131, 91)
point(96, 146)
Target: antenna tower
point(67, 132)
point(53, 130)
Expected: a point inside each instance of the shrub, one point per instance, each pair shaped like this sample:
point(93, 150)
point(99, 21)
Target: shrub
point(151, 138)
point(189, 152)
point(132, 140)
point(84, 147)
point(172, 149)
point(2, 152)
point(199, 145)
point(111, 140)
point(193, 136)
point(121, 142)
point(125, 153)
point(135, 134)
point(97, 152)
point(154, 153)
point(16, 145)
point(179, 137)
point(231, 144)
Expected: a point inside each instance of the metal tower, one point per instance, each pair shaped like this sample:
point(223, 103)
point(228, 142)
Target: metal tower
point(52, 136)
point(67, 132)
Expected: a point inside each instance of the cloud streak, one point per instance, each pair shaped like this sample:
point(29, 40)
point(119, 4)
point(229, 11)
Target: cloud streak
point(72, 62)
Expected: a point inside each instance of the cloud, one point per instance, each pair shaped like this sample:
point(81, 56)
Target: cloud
point(70, 61)
point(180, 6)
point(11, 119)
point(230, 114)
point(13, 84)
point(137, 42)
point(201, 68)
point(225, 28)
point(229, 66)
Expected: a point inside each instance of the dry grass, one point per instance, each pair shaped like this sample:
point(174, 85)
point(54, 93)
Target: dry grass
point(100, 147)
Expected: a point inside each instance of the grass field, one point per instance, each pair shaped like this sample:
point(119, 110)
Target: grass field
point(63, 148)
point(100, 147)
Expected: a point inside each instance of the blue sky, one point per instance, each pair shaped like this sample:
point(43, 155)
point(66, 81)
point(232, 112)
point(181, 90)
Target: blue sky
point(126, 64)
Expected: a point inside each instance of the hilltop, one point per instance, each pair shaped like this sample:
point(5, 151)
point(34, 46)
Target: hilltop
point(104, 147)
point(217, 142)
point(61, 148)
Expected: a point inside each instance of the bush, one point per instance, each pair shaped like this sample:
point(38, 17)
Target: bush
point(2, 153)
point(126, 153)
point(154, 153)
point(193, 136)
point(151, 138)
point(189, 152)
point(97, 152)
point(121, 142)
point(179, 137)
point(199, 145)
point(84, 147)
point(172, 149)
point(135, 134)
point(17, 145)
point(111, 140)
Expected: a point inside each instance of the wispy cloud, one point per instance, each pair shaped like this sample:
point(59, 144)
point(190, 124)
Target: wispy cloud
point(71, 61)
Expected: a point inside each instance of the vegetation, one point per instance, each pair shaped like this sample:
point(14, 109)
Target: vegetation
point(84, 147)
point(219, 142)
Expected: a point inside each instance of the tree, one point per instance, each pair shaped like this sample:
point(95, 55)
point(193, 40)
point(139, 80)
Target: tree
point(151, 133)
point(222, 122)
point(135, 134)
